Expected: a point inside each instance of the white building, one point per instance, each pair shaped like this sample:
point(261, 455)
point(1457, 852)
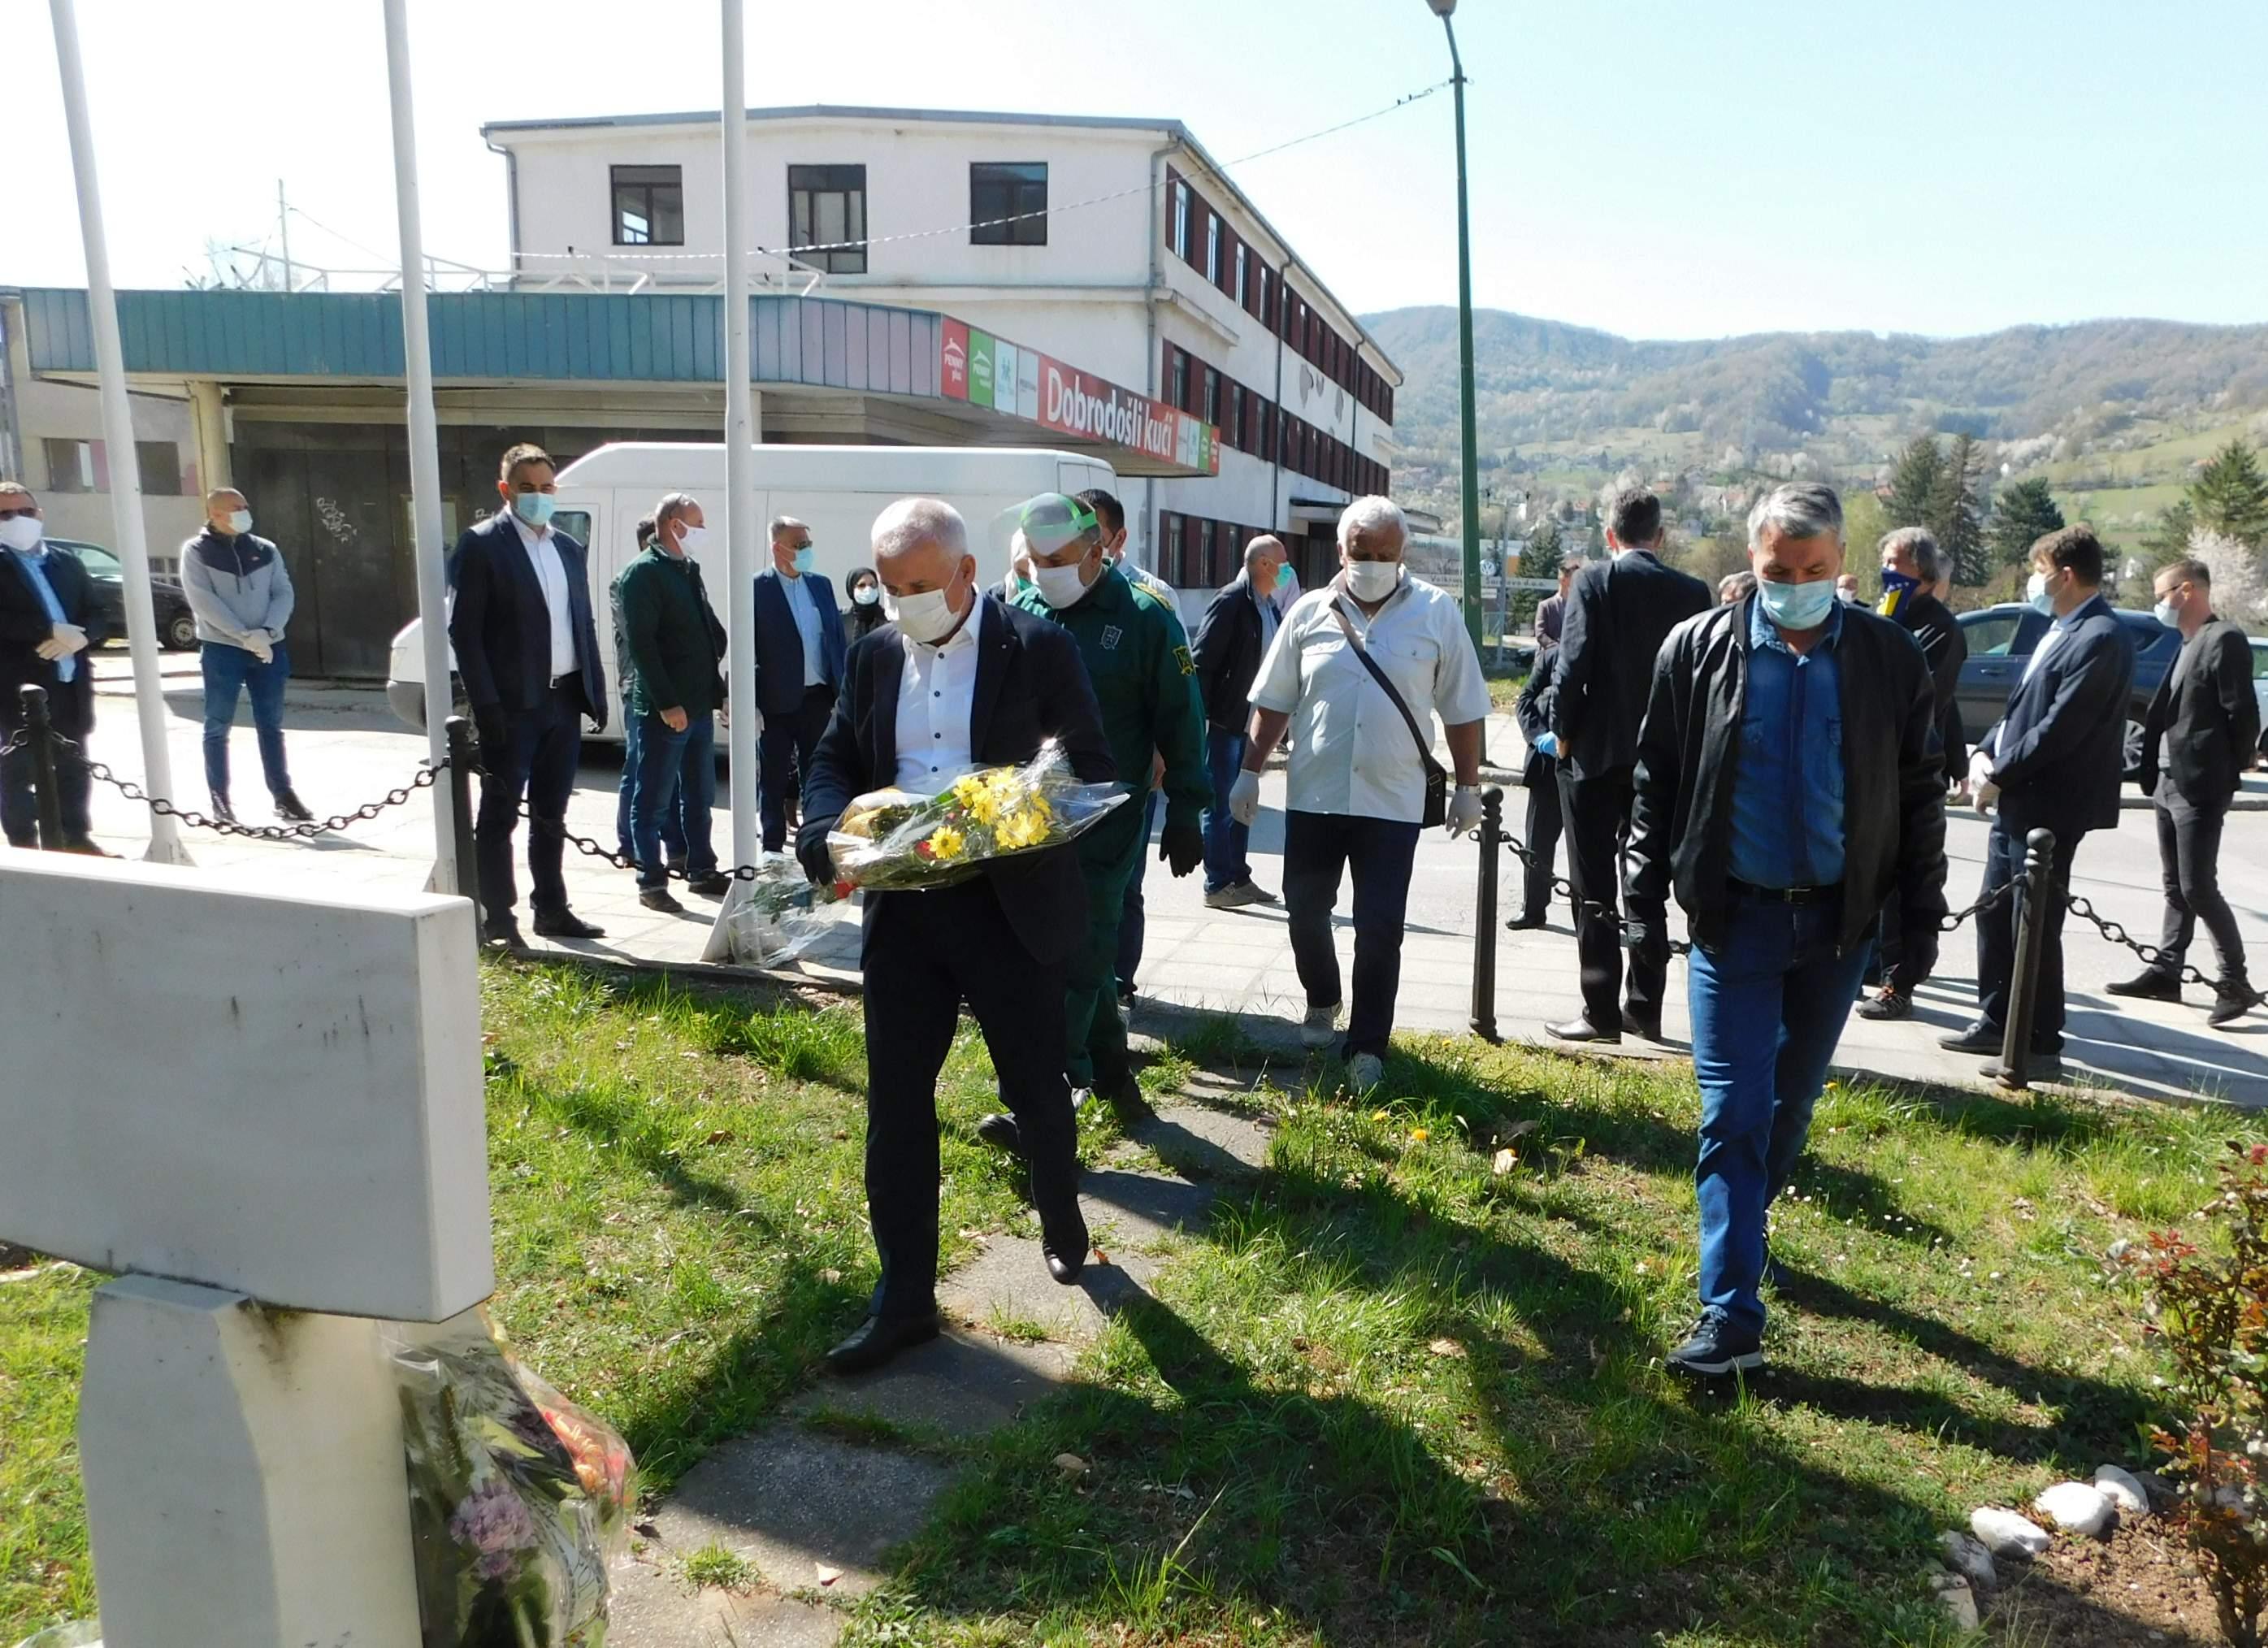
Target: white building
point(1117, 247)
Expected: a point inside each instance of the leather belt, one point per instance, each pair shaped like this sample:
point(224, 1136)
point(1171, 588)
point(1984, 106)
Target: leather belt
point(1786, 895)
point(557, 682)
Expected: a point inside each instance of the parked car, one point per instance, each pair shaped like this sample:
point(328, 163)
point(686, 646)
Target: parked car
point(2260, 686)
point(2000, 642)
point(177, 626)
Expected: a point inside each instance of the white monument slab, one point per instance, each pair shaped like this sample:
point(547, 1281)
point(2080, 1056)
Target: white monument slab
point(271, 1085)
point(245, 1485)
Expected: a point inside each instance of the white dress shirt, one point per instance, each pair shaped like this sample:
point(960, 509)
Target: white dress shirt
point(1352, 751)
point(937, 694)
point(804, 606)
point(551, 573)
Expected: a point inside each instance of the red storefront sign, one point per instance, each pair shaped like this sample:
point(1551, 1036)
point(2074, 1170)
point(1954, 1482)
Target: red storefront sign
point(1073, 403)
point(952, 358)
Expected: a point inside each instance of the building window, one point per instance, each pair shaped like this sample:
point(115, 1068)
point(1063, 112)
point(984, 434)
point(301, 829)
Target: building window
point(1008, 203)
point(1212, 247)
point(1169, 546)
point(1177, 221)
point(826, 218)
point(1211, 410)
point(649, 205)
point(1177, 392)
point(1240, 275)
point(71, 465)
point(1233, 431)
point(161, 463)
point(1269, 417)
point(1267, 316)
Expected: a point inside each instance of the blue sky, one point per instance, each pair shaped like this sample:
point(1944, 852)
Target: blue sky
point(1668, 169)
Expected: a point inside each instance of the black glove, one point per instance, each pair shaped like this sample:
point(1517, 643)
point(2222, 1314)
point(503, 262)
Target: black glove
point(1182, 847)
point(811, 851)
point(491, 728)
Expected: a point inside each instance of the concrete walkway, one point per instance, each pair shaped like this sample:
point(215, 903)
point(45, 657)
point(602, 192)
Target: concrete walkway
point(813, 1513)
point(346, 748)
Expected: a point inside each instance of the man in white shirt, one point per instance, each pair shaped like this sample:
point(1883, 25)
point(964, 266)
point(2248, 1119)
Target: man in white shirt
point(956, 678)
point(1357, 779)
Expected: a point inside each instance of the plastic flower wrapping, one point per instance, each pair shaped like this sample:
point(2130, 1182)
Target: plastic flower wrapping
point(897, 840)
point(518, 1499)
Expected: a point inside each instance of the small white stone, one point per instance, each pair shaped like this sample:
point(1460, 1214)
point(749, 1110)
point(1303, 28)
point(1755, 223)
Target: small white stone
point(2123, 1488)
point(1969, 1559)
point(2005, 1533)
point(2076, 1508)
point(1959, 1601)
point(2120, 1248)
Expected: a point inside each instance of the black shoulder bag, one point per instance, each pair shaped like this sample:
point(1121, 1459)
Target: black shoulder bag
point(1437, 777)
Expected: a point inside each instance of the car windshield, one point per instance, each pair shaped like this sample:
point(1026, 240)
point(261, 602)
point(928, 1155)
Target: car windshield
point(1990, 634)
point(96, 560)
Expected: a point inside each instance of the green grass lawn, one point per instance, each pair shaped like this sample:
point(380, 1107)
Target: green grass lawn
point(1393, 1396)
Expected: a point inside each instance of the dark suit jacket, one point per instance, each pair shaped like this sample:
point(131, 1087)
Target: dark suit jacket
point(1031, 686)
point(1618, 614)
point(1550, 620)
point(502, 629)
point(779, 644)
point(1539, 694)
point(2204, 722)
point(25, 624)
point(1226, 648)
point(2061, 753)
point(1945, 649)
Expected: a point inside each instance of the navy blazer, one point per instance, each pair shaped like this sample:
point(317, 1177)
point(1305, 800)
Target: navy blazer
point(502, 628)
point(1617, 616)
point(1031, 686)
point(779, 644)
point(2061, 754)
point(24, 624)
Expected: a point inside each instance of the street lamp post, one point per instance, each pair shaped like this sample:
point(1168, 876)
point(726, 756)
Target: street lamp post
point(1469, 500)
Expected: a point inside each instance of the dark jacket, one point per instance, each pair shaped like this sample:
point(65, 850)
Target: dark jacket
point(1618, 614)
point(1532, 709)
point(24, 624)
point(1030, 687)
point(671, 639)
point(1227, 649)
point(2061, 754)
point(1945, 649)
point(2204, 722)
point(502, 629)
point(779, 644)
point(1893, 782)
point(1550, 620)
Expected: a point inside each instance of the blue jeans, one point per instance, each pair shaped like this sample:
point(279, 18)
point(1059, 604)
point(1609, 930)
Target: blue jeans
point(1132, 917)
point(1769, 1003)
point(673, 822)
point(230, 670)
point(1380, 853)
point(1225, 840)
point(670, 764)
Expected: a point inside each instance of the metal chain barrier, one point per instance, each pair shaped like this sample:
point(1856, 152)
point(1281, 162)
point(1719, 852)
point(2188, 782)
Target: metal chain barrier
point(1952, 922)
point(2152, 957)
point(425, 778)
point(590, 849)
point(1561, 888)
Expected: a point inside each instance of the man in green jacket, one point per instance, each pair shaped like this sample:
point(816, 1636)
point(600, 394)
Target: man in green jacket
point(674, 645)
point(1139, 662)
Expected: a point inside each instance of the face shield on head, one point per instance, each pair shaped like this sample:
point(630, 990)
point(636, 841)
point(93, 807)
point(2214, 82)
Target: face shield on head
point(1049, 524)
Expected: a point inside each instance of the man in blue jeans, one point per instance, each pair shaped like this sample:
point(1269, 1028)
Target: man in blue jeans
point(1232, 639)
point(1790, 784)
point(675, 646)
point(241, 595)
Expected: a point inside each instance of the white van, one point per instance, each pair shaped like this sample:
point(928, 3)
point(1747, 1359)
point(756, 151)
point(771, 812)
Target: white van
point(835, 490)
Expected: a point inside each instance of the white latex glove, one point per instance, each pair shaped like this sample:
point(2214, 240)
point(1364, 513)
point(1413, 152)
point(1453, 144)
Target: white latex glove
point(62, 640)
point(1464, 812)
point(257, 644)
point(1988, 794)
point(1244, 796)
point(1980, 768)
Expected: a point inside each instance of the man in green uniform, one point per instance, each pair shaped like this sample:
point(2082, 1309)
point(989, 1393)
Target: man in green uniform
point(1138, 659)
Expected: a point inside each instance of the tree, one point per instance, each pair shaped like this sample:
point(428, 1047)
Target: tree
point(1542, 555)
point(2021, 516)
point(2169, 540)
point(2240, 592)
point(1917, 483)
point(1954, 517)
point(2230, 496)
point(1863, 527)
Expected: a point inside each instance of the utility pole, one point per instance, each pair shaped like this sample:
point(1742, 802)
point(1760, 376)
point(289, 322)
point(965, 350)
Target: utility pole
point(1470, 503)
point(283, 231)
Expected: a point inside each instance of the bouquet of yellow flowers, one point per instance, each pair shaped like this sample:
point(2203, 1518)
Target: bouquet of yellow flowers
point(894, 841)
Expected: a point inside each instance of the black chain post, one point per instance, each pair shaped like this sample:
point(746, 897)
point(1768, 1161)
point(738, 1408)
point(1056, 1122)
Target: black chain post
point(39, 739)
point(1484, 1013)
point(460, 733)
point(2031, 940)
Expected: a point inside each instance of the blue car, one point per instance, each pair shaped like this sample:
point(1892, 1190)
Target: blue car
point(2000, 642)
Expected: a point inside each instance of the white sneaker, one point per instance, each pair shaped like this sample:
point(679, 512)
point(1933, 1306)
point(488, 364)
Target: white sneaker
point(1365, 1071)
point(1321, 1027)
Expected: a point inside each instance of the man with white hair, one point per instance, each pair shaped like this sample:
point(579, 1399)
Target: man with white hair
point(1788, 787)
point(1355, 664)
point(956, 678)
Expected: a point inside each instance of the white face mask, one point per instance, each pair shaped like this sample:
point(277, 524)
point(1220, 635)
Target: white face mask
point(2167, 614)
point(2036, 591)
point(1373, 580)
point(926, 617)
point(691, 539)
point(866, 594)
point(1060, 586)
point(240, 522)
point(21, 532)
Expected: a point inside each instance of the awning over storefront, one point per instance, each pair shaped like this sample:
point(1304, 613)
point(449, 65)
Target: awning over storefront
point(900, 369)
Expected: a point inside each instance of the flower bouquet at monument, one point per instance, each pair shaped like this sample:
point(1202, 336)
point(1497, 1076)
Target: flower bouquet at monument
point(518, 1499)
point(894, 840)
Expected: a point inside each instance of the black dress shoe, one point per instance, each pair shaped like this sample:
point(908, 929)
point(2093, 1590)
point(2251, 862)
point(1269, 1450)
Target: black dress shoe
point(1000, 1131)
point(1645, 1029)
point(2232, 999)
point(565, 924)
point(1583, 1030)
point(504, 932)
point(1524, 921)
point(715, 885)
point(656, 899)
point(1977, 1038)
point(1066, 1253)
point(291, 809)
point(879, 1338)
point(2150, 984)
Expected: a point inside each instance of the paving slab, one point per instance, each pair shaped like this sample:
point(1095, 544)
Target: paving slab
point(963, 1383)
point(1204, 1144)
point(651, 1609)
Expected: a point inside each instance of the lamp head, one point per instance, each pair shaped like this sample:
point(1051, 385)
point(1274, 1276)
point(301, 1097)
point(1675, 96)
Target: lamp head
point(1442, 8)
